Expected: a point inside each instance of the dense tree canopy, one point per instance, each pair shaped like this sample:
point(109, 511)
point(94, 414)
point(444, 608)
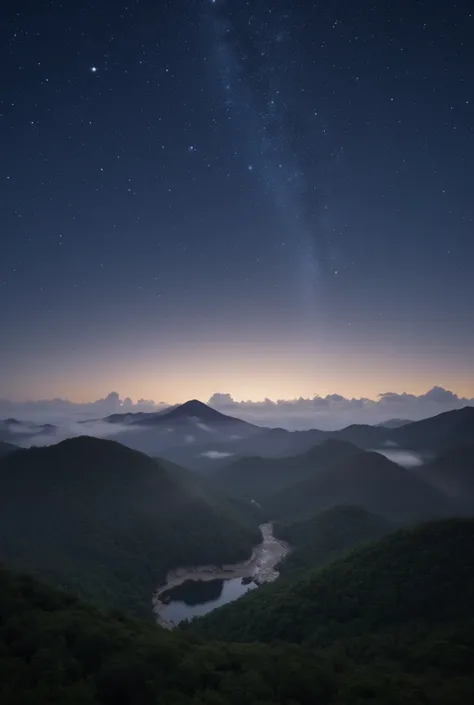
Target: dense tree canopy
point(109, 522)
point(327, 535)
point(423, 575)
point(56, 650)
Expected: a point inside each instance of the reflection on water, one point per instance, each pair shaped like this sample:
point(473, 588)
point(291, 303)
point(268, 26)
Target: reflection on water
point(197, 597)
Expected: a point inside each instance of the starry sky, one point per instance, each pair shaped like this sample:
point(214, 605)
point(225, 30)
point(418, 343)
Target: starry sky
point(267, 198)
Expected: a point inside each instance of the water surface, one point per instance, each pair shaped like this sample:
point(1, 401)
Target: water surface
point(193, 591)
point(194, 598)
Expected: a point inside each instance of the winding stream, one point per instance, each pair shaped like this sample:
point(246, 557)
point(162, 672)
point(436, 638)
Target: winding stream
point(176, 599)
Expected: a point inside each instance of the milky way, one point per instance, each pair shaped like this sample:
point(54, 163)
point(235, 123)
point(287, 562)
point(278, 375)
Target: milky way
point(264, 80)
point(267, 198)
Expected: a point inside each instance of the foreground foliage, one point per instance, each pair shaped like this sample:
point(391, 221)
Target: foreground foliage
point(421, 576)
point(55, 650)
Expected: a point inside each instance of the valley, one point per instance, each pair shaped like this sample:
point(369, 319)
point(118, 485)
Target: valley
point(260, 568)
point(128, 579)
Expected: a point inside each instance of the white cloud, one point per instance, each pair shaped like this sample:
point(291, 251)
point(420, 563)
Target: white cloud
point(327, 413)
point(335, 411)
point(57, 410)
point(216, 454)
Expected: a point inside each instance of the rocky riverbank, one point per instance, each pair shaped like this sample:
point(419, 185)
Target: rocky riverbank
point(260, 567)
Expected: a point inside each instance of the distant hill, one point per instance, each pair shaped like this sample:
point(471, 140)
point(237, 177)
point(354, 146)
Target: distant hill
point(394, 423)
point(195, 409)
point(328, 535)
point(109, 522)
point(438, 433)
point(254, 478)
point(13, 431)
point(453, 473)
point(6, 449)
point(132, 417)
point(188, 434)
point(363, 435)
point(411, 579)
point(366, 479)
point(428, 437)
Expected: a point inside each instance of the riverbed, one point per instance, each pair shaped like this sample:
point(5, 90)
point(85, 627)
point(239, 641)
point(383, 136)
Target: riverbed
point(228, 581)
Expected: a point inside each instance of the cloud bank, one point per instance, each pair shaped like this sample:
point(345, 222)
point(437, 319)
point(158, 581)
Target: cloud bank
point(335, 411)
point(327, 413)
point(56, 410)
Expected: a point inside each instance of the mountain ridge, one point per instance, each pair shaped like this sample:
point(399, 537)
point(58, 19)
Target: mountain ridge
point(109, 522)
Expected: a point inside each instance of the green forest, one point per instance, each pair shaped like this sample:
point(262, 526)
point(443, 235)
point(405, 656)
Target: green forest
point(57, 650)
point(364, 611)
point(415, 577)
point(108, 522)
point(325, 536)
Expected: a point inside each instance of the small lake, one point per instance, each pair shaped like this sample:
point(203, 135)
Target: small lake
point(194, 591)
point(194, 598)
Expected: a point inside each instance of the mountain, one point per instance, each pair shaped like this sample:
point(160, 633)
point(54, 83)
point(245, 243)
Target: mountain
point(366, 479)
point(195, 409)
point(189, 434)
point(12, 430)
point(254, 478)
point(109, 522)
point(327, 535)
point(413, 579)
point(363, 435)
point(453, 473)
point(438, 433)
point(131, 417)
point(6, 449)
point(394, 423)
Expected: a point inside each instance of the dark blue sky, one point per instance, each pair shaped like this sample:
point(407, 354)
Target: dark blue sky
point(262, 198)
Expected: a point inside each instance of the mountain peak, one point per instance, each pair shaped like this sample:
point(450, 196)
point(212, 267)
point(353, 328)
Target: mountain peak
point(197, 409)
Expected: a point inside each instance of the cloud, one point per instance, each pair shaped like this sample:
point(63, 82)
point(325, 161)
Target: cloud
point(57, 410)
point(336, 411)
point(216, 454)
point(402, 457)
point(330, 412)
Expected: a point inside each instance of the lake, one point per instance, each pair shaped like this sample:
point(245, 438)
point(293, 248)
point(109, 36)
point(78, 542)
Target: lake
point(194, 598)
point(193, 591)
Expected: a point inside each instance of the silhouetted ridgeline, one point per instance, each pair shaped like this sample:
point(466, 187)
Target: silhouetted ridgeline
point(255, 478)
point(365, 479)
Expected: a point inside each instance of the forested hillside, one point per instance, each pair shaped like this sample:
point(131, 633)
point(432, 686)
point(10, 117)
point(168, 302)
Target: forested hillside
point(56, 650)
point(256, 478)
point(108, 522)
point(327, 535)
point(365, 479)
point(413, 578)
point(452, 472)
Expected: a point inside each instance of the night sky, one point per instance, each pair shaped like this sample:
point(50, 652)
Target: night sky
point(265, 198)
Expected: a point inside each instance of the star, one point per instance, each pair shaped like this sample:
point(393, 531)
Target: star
point(93, 69)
